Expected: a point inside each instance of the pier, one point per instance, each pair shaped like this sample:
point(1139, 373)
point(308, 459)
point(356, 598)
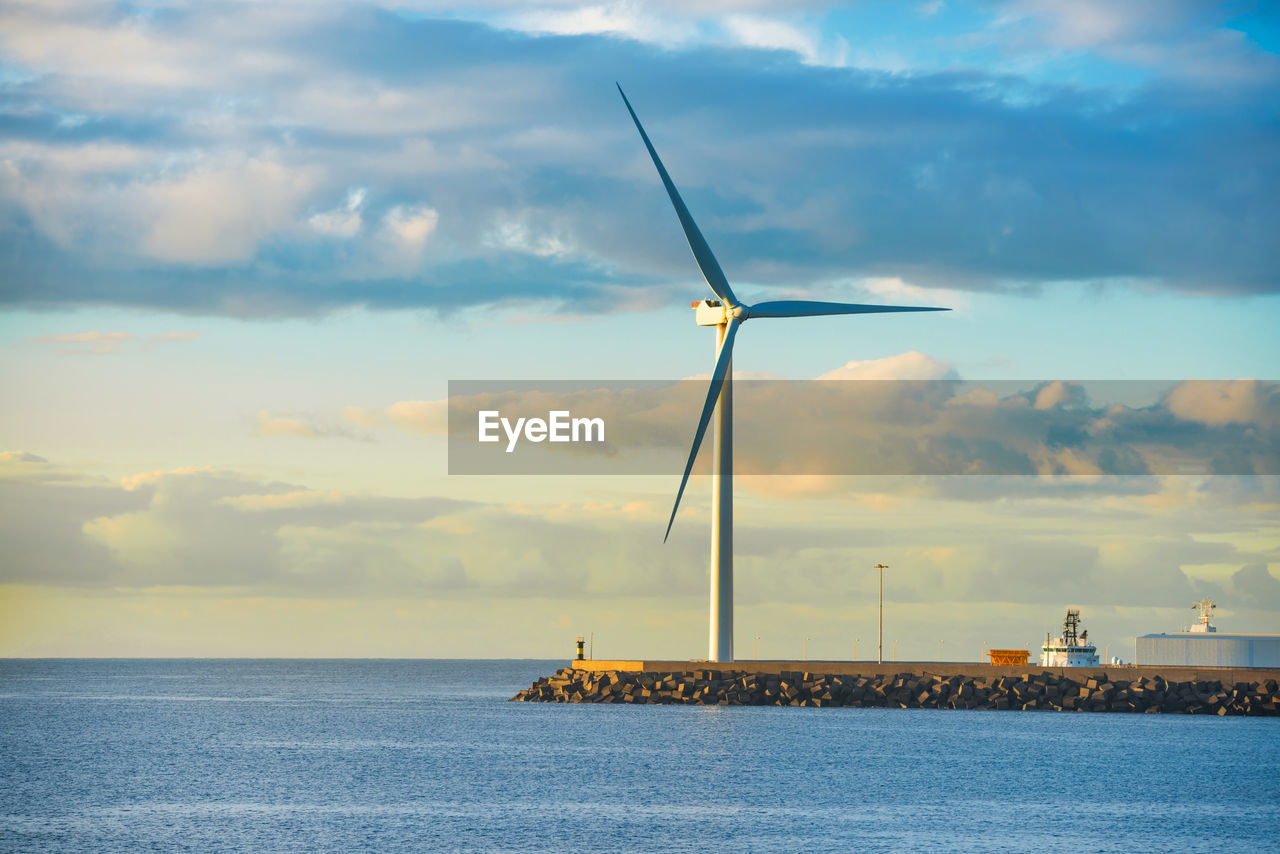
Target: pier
point(960, 685)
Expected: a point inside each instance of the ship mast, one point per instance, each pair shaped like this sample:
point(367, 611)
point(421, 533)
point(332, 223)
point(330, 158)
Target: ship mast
point(1070, 626)
point(1206, 607)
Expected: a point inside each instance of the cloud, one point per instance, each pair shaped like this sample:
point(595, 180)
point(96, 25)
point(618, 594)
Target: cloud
point(87, 343)
point(626, 19)
point(912, 365)
point(423, 417)
point(177, 336)
point(214, 529)
point(284, 425)
point(864, 419)
point(217, 533)
point(406, 229)
point(759, 31)
point(428, 417)
point(411, 225)
point(341, 222)
point(219, 212)
point(1193, 40)
point(299, 426)
point(1256, 586)
point(191, 160)
point(1221, 403)
point(20, 457)
point(93, 343)
point(285, 500)
point(143, 479)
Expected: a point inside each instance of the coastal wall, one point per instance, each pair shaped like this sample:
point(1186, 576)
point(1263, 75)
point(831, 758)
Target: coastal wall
point(1114, 672)
point(957, 686)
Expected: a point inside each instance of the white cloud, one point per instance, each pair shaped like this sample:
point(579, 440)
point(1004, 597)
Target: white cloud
point(190, 208)
point(105, 343)
point(412, 224)
point(285, 500)
point(341, 222)
point(894, 289)
point(531, 232)
point(87, 343)
point(911, 365)
point(220, 211)
point(774, 34)
point(1187, 39)
point(1231, 402)
point(20, 457)
point(629, 19)
point(284, 425)
point(147, 478)
point(428, 417)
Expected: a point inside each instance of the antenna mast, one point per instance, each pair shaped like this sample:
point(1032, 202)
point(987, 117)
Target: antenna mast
point(1206, 607)
point(1070, 627)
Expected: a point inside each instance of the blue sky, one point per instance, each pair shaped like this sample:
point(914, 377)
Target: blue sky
point(247, 245)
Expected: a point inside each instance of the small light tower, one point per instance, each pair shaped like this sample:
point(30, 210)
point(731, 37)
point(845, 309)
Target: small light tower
point(880, 631)
point(582, 642)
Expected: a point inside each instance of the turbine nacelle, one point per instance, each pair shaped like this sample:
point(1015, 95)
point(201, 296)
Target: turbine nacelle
point(711, 312)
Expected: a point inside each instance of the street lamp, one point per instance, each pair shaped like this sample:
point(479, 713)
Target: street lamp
point(895, 650)
point(806, 648)
point(880, 631)
point(755, 648)
point(939, 652)
point(855, 648)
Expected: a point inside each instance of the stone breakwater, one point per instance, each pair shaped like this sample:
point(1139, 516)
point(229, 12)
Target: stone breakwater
point(1029, 691)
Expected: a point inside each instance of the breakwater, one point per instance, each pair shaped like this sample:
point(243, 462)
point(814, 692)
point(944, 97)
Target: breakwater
point(1026, 691)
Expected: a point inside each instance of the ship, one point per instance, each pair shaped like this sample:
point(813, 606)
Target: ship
point(1072, 649)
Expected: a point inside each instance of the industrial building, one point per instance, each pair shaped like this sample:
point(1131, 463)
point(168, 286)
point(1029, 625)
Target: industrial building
point(1202, 645)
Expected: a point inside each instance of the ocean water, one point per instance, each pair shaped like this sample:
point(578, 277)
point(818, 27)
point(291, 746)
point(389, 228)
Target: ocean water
point(129, 755)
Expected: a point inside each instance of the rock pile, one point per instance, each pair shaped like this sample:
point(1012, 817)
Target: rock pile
point(1028, 691)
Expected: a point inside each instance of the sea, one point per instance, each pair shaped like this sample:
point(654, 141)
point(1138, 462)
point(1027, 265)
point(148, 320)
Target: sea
point(397, 755)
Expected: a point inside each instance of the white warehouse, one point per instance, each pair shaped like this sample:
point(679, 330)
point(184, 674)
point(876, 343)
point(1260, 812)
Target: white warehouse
point(1193, 649)
point(1204, 646)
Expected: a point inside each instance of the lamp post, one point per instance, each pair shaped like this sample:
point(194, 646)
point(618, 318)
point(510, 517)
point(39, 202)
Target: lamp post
point(895, 650)
point(755, 648)
point(880, 631)
point(855, 648)
point(806, 648)
point(939, 652)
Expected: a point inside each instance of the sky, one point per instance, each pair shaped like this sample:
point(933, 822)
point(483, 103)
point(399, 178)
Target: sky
point(245, 247)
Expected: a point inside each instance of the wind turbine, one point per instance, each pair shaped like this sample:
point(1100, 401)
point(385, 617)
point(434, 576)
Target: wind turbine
point(727, 313)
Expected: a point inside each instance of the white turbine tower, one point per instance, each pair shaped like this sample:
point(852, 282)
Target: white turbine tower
point(727, 313)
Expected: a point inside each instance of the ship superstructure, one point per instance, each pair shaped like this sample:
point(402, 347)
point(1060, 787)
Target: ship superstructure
point(1072, 649)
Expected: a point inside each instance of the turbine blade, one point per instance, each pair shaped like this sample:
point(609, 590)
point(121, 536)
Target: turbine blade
point(809, 308)
point(713, 392)
point(701, 251)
